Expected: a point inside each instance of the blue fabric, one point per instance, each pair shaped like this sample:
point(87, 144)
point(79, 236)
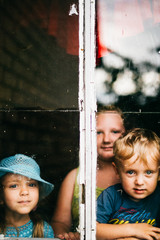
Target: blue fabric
point(25, 166)
point(115, 207)
point(26, 231)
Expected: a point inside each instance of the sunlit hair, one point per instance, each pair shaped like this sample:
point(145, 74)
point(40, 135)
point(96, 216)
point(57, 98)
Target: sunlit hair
point(38, 223)
point(143, 143)
point(110, 108)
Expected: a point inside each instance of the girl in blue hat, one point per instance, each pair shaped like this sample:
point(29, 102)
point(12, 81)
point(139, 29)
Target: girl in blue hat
point(21, 188)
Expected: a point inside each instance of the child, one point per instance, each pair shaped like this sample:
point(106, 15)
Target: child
point(110, 126)
point(21, 188)
point(132, 208)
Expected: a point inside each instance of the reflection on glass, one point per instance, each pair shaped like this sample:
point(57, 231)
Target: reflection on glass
point(128, 52)
point(38, 56)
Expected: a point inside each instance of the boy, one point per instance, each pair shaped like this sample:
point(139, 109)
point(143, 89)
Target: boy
point(132, 208)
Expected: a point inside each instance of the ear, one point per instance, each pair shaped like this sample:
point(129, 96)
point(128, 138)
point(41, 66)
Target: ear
point(1, 202)
point(115, 168)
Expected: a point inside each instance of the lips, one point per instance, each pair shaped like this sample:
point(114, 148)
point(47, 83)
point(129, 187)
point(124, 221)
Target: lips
point(139, 191)
point(24, 202)
point(107, 148)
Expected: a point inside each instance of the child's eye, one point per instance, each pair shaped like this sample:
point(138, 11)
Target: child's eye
point(149, 172)
point(13, 186)
point(99, 132)
point(131, 172)
point(33, 184)
point(116, 131)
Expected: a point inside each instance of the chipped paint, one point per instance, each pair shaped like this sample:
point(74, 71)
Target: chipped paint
point(73, 10)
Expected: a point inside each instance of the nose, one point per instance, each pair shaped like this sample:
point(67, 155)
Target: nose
point(106, 138)
point(24, 190)
point(139, 180)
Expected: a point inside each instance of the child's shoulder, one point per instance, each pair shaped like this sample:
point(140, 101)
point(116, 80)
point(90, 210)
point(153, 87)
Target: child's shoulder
point(117, 187)
point(113, 192)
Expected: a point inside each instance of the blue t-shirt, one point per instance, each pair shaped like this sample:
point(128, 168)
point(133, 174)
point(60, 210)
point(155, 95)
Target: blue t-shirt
point(26, 231)
point(115, 207)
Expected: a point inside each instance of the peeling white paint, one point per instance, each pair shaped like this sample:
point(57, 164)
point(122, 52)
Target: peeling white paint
point(87, 96)
point(73, 10)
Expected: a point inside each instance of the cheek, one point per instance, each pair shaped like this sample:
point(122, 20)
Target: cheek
point(127, 182)
point(99, 141)
point(9, 198)
point(36, 195)
point(115, 137)
point(153, 183)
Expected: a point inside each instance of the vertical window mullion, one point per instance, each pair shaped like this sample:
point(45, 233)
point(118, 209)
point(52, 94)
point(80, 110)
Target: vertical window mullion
point(87, 105)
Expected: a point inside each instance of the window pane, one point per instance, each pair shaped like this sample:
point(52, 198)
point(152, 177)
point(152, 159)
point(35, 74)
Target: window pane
point(128, 60)
point(39, 58)
point(51, 138)
point(39, 74)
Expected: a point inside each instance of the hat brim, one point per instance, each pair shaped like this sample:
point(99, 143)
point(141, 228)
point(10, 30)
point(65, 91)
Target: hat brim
point(45, 189)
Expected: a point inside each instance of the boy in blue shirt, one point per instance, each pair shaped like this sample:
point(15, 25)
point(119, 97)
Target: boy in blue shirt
point(132, 209)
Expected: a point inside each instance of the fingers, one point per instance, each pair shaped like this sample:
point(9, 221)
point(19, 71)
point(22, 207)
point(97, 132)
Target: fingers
point(74, 236)
point(156, 236)
point(157, 230)
point(153, 236)
point(69, 236)
point(152, 233)
point(60, 236)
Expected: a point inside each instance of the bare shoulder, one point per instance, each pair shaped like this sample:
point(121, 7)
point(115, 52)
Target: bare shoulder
point(70, 177)
point(66, 190)
point(61, 220)
point(72, 173)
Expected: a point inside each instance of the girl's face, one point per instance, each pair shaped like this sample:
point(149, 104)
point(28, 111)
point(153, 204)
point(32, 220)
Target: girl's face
point(109, 128)
point(20, 194)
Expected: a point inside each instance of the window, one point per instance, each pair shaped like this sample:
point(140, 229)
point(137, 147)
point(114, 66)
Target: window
point(58, 59)
point(39, 72)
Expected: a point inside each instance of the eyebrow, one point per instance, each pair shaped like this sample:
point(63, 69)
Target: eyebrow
point(17, 180)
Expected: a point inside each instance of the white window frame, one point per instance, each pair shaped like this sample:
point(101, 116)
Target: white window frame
point(87, 107)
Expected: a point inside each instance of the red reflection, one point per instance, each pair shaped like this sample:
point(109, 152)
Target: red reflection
point(53, 16)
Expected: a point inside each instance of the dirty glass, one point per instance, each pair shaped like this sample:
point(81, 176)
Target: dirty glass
point(39, 114)
point(128, 59)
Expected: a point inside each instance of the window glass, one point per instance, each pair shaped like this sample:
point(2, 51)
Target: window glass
point(51, 138)
point(39, 59)
point(127, 72)
point(39, 64)
point(128, 57)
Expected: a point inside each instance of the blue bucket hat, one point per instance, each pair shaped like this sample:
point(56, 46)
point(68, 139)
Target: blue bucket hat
point(25, 166)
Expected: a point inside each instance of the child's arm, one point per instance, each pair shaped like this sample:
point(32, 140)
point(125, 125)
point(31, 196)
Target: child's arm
point(136, 230)
point(62, 219)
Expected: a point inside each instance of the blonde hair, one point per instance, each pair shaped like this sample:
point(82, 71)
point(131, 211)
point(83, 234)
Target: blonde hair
point(139, 141)
point(110, 108)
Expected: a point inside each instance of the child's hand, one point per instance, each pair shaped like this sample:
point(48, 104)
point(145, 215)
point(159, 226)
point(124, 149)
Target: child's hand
point(69, 236)
point(145, 231)
point(129, 238)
